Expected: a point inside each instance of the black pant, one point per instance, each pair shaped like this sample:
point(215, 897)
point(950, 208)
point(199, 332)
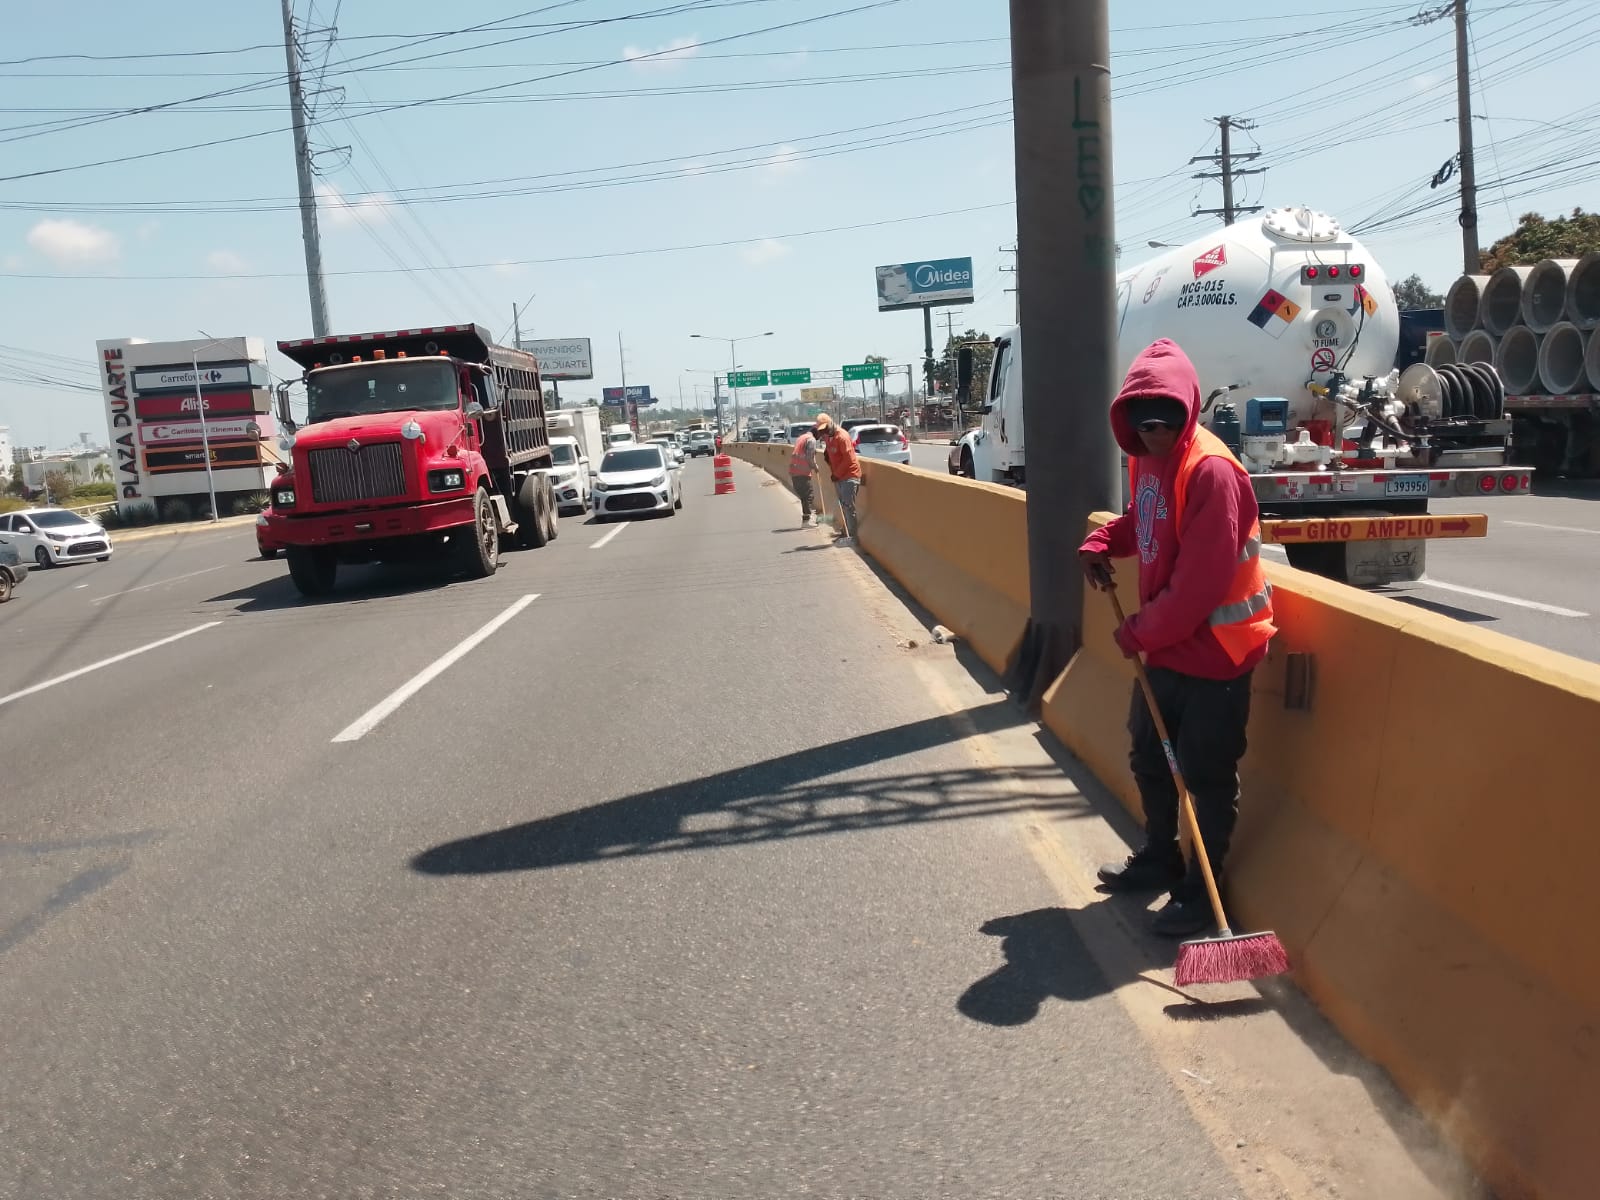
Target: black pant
point(802, 490)
point(1206, 719)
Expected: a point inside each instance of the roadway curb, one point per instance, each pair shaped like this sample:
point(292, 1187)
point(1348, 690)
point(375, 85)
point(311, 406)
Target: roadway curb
point(137, 535)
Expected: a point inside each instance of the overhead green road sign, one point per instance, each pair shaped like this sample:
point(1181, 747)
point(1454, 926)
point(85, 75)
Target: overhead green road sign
point(744, 379)
point(853, 371)
point(790, 375)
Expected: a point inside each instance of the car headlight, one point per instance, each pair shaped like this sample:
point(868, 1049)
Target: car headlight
point(411, 431)
point(261, 520)
point(447, 479)
point(658, 480)
point(56, 537)
point(283, 498)
point(599, 485)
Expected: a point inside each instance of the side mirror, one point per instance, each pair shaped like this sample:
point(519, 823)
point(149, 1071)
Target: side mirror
point(472, 410)
point(964, 365)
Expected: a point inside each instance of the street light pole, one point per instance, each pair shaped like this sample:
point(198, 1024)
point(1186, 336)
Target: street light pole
point(733, 364)
point(200, 414)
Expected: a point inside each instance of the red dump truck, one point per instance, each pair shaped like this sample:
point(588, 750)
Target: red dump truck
point(417, 443)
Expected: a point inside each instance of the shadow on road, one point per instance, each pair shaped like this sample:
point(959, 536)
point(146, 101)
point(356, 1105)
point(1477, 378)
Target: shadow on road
point(1045, 958)
point(1445, 610)
point(355, 583)
point(797, 795)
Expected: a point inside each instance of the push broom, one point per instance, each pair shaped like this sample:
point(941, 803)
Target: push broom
point(1225, 957)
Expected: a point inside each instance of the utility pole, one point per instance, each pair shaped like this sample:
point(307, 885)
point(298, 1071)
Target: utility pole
point(1469, 175)
point(927, 347)
point(302, 167)
point(516, 327)
point(1061, 100)
point(1013, 270)
point(1229, 212)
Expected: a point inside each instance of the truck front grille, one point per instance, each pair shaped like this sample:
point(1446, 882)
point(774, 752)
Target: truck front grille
point(375, 472)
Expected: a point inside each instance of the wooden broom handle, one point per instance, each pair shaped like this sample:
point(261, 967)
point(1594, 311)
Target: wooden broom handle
point(1185, 803)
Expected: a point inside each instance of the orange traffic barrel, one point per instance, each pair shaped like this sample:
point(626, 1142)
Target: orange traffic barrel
point(722, 472)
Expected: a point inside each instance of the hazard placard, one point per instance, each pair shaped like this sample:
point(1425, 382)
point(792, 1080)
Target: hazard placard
point(1376, 529)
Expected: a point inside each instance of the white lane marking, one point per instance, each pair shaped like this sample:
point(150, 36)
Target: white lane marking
point(1556, 528)
point(1553, 609)
point(106, 662)
point(158, 583)
point(369, 720)
point(610, 535)
point(79, 587)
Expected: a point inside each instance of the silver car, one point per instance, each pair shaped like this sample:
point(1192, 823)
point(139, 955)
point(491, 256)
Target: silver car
point(50, 537)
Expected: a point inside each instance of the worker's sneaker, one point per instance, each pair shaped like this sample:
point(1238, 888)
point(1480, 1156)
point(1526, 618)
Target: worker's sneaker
point(1184, 916)
point(1151, 869)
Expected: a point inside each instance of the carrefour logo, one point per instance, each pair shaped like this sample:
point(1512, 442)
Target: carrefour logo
point(930, 276)
point(211, 376)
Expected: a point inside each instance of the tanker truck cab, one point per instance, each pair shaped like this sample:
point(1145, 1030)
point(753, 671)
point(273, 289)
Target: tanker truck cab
point(1293, 331)
point(993, 452)
point(423, 443)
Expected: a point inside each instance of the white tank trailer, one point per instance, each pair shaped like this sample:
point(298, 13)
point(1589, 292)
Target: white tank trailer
point(1293, 329)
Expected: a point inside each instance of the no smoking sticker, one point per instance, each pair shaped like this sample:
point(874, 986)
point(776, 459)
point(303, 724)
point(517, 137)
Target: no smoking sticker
point(1322, 360)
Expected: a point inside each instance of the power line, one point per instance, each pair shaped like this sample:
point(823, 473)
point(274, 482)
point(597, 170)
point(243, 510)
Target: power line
point(531, 262)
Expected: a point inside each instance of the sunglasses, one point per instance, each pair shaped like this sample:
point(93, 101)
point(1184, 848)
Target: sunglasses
point(1153, 425)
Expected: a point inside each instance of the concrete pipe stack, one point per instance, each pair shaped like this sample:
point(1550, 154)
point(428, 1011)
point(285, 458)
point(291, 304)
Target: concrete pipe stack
point(1534, 323)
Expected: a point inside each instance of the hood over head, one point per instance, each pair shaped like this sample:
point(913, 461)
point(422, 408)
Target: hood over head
point(1161, 372)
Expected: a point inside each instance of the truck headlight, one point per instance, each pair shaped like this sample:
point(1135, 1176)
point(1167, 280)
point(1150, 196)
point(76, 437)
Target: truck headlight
point(448, 479)
point(283, 498)
point(411, 431)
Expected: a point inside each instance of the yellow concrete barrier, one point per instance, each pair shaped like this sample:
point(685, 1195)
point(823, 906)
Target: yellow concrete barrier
point(1421, 837)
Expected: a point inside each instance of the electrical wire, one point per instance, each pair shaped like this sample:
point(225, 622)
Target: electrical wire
point(532, 262)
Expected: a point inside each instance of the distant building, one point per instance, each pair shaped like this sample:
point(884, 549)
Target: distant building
point(6, 450)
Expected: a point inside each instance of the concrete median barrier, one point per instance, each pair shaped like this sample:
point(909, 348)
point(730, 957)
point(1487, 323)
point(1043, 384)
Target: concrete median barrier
point(1418, 828)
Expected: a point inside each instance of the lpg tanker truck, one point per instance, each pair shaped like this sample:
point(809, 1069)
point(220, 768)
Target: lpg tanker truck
point(1293, 329)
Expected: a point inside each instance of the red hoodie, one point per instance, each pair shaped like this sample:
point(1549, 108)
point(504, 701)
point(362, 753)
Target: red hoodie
point(1179, 586)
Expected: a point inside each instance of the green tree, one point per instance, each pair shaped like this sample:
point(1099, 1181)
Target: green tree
point(101, 472)
point(1411, 292)
point(16, 485)
point(944, 370)
point(1535, 238)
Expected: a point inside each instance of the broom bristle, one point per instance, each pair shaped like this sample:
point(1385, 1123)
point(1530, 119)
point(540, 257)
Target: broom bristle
point(1230, 959)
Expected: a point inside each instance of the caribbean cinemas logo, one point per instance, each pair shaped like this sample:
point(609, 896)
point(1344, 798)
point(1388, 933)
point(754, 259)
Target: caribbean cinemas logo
point(122, 425)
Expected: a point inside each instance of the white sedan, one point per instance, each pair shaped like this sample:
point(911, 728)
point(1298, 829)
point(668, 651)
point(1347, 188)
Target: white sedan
point(637, 479)
point(886, 443)
point(52, 536)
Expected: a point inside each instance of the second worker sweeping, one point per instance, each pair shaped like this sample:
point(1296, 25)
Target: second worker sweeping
point(1204, 621)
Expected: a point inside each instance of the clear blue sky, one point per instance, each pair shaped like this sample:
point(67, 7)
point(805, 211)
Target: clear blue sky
point(872, 118)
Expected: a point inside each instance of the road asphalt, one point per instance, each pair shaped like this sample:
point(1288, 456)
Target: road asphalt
point(1533, 577)
point(687, 878)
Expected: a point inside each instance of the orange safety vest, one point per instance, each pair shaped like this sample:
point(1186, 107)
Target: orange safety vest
point(800, 460)
point(1242, 623)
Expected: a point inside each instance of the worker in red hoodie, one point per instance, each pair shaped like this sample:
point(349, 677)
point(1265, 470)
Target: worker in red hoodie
point(1204, 620)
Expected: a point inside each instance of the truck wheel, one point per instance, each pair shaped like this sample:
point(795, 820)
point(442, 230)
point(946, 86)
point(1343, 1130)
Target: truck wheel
point(478, 547)
point(313, 570)
point(552, 514)
point(532, 522)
